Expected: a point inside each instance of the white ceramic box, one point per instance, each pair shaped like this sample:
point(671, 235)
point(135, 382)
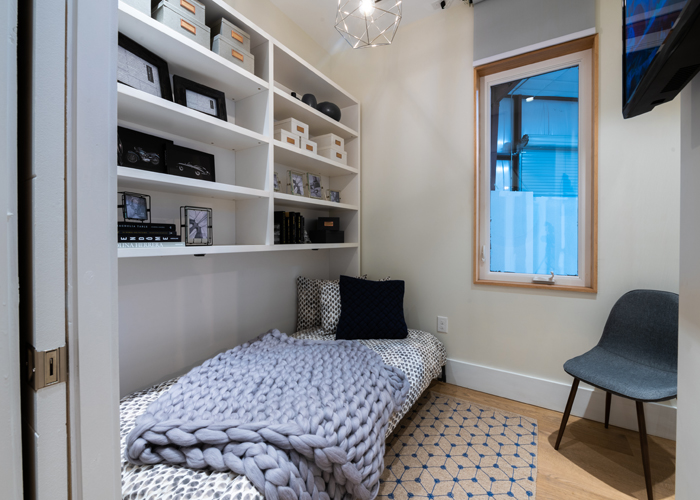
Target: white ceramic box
point(334, 154)
point(294, 126)
point(288, 138)
point(239, 57)
point(186, 25)
point(192, 9)
point(309, 146)
point(232, 34)
point(142, 5)
point(330, 141)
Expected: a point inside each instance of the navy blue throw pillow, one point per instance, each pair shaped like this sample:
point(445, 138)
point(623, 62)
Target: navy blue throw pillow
point(371, 309)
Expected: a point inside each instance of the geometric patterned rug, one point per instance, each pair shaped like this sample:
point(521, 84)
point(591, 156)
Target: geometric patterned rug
point(446, 448)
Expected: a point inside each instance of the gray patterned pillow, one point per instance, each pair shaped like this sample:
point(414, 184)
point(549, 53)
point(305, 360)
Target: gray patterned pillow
point(309, 301)
point(330, 305)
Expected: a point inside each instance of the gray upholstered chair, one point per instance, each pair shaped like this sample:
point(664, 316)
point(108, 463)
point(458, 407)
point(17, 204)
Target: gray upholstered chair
point(636, 358)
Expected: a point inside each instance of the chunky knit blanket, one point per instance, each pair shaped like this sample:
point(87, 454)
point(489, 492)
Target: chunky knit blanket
point(302, 419)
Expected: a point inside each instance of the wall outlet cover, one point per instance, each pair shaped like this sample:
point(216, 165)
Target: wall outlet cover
point(442, 324)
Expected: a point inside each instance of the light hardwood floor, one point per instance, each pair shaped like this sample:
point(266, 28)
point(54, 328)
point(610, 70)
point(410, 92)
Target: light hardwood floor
point(593, 463)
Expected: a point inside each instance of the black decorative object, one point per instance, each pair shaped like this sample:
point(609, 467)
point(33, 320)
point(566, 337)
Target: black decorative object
point(329, 109)
point(191, 163)
point(325, 236)
point(142, 151)
point(196, 226)
point(371, 309)
point(309, 99)
point(135, 207)
point(295, 96)
point(200, 97)
point(328, 223)
point(141, 69)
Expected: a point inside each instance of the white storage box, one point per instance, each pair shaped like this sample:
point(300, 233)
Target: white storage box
point(330, 141)
point(191, 9)
point(288, 138)
point(239, 57)
point(294, 126)
point(172, 17)
point(232, 33)
point(309, 146)
point(142, 5)
point(334, 154)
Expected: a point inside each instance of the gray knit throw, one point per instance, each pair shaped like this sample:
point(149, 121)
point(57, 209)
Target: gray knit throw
point(302, 419)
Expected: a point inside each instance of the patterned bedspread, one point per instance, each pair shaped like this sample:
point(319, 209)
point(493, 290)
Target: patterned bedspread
point(420, 356)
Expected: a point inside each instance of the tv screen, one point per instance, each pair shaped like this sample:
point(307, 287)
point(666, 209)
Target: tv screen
point(647, 24)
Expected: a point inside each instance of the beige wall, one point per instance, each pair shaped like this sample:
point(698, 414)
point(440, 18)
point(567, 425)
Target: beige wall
point(417, 182)
point(271, 19)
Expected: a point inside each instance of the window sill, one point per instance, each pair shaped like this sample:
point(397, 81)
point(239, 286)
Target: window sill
point(559, 288)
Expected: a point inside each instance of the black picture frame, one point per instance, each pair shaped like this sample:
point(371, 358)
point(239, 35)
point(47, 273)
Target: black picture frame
point(135, 207)
point(196, 226)
point(216, 98)
point(149, 57)
point(143, 151)
point(191, 163)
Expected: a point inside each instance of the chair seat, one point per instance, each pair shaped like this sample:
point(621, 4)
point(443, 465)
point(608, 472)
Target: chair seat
point(623, 377)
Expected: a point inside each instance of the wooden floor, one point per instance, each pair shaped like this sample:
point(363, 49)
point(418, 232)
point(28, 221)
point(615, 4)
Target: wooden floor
point(593, 463)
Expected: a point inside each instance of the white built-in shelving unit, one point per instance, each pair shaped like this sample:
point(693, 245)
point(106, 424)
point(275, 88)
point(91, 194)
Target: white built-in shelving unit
point(246, 154)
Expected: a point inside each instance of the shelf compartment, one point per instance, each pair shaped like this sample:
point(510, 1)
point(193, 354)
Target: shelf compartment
point(187, 58)
point(297, 158)
point(291, 200)
point(125, 253)
point(136, 106)
point(287, 106)
point(131, 178)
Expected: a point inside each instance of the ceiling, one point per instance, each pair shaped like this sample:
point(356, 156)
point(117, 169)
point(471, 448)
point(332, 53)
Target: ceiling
point(317, 18)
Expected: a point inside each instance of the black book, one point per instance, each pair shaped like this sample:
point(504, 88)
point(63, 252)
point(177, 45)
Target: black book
point(287, 228)
point(146, 239)
point(142, 226)
point(300, 237)
point(279, 223)
point(293, 222)
point(154, 232)
point(303, 229)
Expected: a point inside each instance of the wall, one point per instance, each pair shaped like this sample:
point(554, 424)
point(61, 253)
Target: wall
point(688, 448)
point(417, 181)
point(272, 20)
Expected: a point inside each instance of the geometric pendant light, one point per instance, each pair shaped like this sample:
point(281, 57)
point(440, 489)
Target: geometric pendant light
point(368, 23)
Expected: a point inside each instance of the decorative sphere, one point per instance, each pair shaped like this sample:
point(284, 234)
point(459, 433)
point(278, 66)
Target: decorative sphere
point(329, 109)
point(309, 99)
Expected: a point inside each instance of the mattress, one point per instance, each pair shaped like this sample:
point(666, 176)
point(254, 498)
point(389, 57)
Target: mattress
point(420, 356)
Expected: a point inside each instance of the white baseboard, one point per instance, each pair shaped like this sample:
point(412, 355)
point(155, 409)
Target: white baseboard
point(589, 403)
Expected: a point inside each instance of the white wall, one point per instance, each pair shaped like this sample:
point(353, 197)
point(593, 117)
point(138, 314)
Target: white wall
point(688, 448)
point(417, 182)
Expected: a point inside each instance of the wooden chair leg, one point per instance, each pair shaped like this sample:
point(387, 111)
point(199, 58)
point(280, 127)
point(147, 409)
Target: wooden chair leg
point(608, 397)
point(567, 411)
point(645, 448)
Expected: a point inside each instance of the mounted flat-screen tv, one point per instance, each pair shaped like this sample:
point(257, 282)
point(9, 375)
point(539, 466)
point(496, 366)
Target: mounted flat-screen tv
point(661, 51)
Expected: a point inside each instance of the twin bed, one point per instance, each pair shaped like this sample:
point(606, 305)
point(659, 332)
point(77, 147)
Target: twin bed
point(420, 356)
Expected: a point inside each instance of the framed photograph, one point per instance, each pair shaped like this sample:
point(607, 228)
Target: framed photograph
point(191, 163)
point(277, 182)
point(139, 150)
point(196, 224)
point(334, 196)
point(135, 207)
point(200, 97)
point(141, 69)
point(296, 183)
point(315, 188)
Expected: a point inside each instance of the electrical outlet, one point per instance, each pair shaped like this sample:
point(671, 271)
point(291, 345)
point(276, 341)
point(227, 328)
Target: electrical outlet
point(442, 324)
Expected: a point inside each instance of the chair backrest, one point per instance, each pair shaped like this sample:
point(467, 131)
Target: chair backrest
point(643, 327)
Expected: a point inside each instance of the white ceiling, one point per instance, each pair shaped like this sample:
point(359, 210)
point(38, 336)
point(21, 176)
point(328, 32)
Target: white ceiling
point(317, 18)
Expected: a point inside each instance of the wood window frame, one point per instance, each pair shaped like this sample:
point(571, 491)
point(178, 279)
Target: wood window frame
point(571, 47)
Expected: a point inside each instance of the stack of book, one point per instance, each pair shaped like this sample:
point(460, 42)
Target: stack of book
point(142, 235)
point(289, 228)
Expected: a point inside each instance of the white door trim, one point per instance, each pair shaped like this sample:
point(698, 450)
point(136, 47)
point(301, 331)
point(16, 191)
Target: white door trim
point(91, 194)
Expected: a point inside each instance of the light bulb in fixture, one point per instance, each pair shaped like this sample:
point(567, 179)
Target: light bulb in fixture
point(529, 99)
point(366, 7)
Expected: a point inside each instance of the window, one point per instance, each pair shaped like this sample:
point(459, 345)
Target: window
point(536, 169)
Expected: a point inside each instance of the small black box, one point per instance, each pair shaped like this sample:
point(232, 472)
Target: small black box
point(327, 236)
point(142, 151)
point(328, 224)
point(191, 163)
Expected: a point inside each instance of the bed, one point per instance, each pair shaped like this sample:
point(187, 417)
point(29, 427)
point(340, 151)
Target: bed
point(420, 356)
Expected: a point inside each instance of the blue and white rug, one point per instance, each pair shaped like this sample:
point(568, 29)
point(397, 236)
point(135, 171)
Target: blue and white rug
point(450, 448)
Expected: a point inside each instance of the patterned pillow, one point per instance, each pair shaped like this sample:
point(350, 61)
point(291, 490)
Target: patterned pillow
point(309, 301)
point(371, 310)
point(330, 305)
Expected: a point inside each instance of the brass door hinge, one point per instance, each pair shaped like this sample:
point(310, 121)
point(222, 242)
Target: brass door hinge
point(46, 368)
